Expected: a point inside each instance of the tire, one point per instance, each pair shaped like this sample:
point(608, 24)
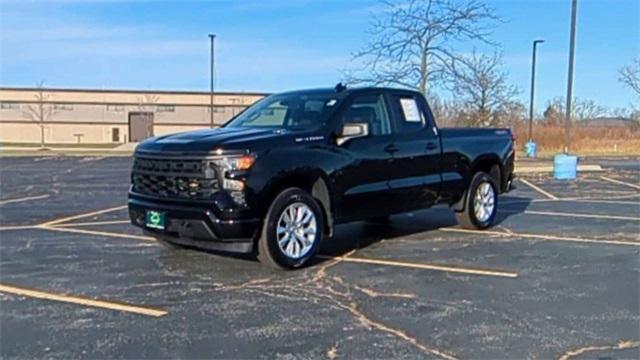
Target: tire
point(281, 236)
point(483, 194)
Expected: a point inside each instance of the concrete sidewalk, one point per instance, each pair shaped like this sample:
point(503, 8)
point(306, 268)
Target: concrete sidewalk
point(530, 166)
point(130, 147)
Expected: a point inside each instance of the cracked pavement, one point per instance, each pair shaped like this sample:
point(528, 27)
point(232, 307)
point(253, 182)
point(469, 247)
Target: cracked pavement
point(376, 293)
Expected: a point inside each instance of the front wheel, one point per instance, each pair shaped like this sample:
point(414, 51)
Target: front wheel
point(292, 230)
point(481, 204)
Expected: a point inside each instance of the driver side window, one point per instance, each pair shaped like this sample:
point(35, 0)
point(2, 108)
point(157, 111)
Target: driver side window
point(371, 110)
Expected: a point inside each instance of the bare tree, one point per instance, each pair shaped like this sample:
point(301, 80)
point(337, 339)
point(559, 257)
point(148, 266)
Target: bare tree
point(583, 109)
point(630, 76)
point(510, 114)
point(479, 83)
point(586, 109)
point(413, 41)
point(553, 113)
point(41, 111)
point(446, 111)
point(629, 113)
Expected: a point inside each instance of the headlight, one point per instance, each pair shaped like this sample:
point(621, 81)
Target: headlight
point(236, 163)
point(242, 163)
point(230, 164)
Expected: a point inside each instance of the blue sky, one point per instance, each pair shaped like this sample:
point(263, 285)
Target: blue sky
point(275, 45)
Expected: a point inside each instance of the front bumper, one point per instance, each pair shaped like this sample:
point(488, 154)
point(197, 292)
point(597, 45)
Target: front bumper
point(197, 226)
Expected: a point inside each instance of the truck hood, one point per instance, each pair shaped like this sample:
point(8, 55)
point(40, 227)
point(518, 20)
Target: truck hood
point(210, 139)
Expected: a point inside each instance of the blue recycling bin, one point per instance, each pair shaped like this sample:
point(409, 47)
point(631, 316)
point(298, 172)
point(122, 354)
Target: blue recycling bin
point(531, 149)
point(565, 167)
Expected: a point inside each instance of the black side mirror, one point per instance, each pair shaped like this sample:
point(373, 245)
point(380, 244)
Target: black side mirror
point(352, 131)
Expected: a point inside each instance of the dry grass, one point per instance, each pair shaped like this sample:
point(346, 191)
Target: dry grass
point(584, 140)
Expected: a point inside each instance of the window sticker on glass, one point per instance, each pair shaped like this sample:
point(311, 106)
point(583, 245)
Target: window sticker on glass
point(410, 110)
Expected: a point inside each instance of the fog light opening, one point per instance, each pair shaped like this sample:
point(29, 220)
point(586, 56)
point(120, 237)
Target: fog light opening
point(234, 185)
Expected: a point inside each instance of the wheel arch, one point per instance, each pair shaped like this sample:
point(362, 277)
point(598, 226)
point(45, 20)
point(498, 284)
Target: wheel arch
point(489, 164)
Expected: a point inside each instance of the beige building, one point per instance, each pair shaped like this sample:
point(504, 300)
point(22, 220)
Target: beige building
point(110, 116)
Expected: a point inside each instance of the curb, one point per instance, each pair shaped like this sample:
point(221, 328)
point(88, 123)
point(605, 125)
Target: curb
point(549, 169)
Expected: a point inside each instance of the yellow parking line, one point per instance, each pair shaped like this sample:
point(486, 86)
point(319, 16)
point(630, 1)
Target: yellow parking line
point(600, 201)
point(28, 198)
point(453, 269)
point(424, 266)
point(580, 200)
point(608, 197)
point(538, 189)
point(80, 216)
point(98, 233)
point(544, 237)
point(17, 227)
point(111, 305)
point(620, 182)
point(485, 232)
point(588, 216)
point(113, 222)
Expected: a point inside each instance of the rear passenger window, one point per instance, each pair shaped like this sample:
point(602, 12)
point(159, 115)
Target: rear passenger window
point(411, 117)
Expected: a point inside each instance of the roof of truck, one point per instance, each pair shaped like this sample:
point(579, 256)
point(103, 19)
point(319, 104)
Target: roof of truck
point(348, 91)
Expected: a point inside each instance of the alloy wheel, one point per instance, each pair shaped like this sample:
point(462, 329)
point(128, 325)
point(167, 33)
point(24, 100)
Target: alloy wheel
point(296, 230)
point(484, 202)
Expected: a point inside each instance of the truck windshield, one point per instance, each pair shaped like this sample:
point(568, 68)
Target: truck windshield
point(294, 112)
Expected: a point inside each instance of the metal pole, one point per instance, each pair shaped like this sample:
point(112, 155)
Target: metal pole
point(212, 84)
point(533, 84)
point(572, 50)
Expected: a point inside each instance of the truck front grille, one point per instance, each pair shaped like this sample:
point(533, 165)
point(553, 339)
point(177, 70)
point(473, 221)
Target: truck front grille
point(175, 178)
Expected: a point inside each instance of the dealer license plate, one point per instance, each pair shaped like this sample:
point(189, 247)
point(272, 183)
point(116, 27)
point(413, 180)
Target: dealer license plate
point(155, 219)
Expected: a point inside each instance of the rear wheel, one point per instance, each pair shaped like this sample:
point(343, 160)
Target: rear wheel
point(481, 203)
point(292, 230)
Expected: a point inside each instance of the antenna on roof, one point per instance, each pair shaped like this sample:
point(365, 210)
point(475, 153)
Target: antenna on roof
point(340, 87)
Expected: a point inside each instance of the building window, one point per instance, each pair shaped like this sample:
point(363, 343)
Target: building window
point(166, 108)
point(65, 107)
point(115, 107)
point(236, 101)
point(216, 109)
point(9, 106)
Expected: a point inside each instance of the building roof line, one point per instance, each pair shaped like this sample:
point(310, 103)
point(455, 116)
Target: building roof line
point(126, 103)
point(124, 91)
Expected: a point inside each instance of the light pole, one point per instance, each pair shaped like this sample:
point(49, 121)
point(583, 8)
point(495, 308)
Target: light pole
point(533, 86)
point(572, 50)
point(213, 64)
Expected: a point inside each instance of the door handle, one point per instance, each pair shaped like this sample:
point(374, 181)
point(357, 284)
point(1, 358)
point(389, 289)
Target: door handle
point(431, 146)
point(391, 148)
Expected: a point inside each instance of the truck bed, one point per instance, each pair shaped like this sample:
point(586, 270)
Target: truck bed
point(474, 132)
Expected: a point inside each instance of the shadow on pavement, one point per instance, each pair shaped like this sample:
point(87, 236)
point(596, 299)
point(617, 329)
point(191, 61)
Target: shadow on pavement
point(360, 235)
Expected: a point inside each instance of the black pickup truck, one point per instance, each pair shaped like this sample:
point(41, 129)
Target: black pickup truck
point(278, 178)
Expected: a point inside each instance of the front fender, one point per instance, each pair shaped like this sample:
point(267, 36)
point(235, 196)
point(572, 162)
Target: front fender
point(282, 168)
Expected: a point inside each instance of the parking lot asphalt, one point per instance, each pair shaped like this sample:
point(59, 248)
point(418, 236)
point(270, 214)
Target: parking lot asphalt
point(557, 277)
